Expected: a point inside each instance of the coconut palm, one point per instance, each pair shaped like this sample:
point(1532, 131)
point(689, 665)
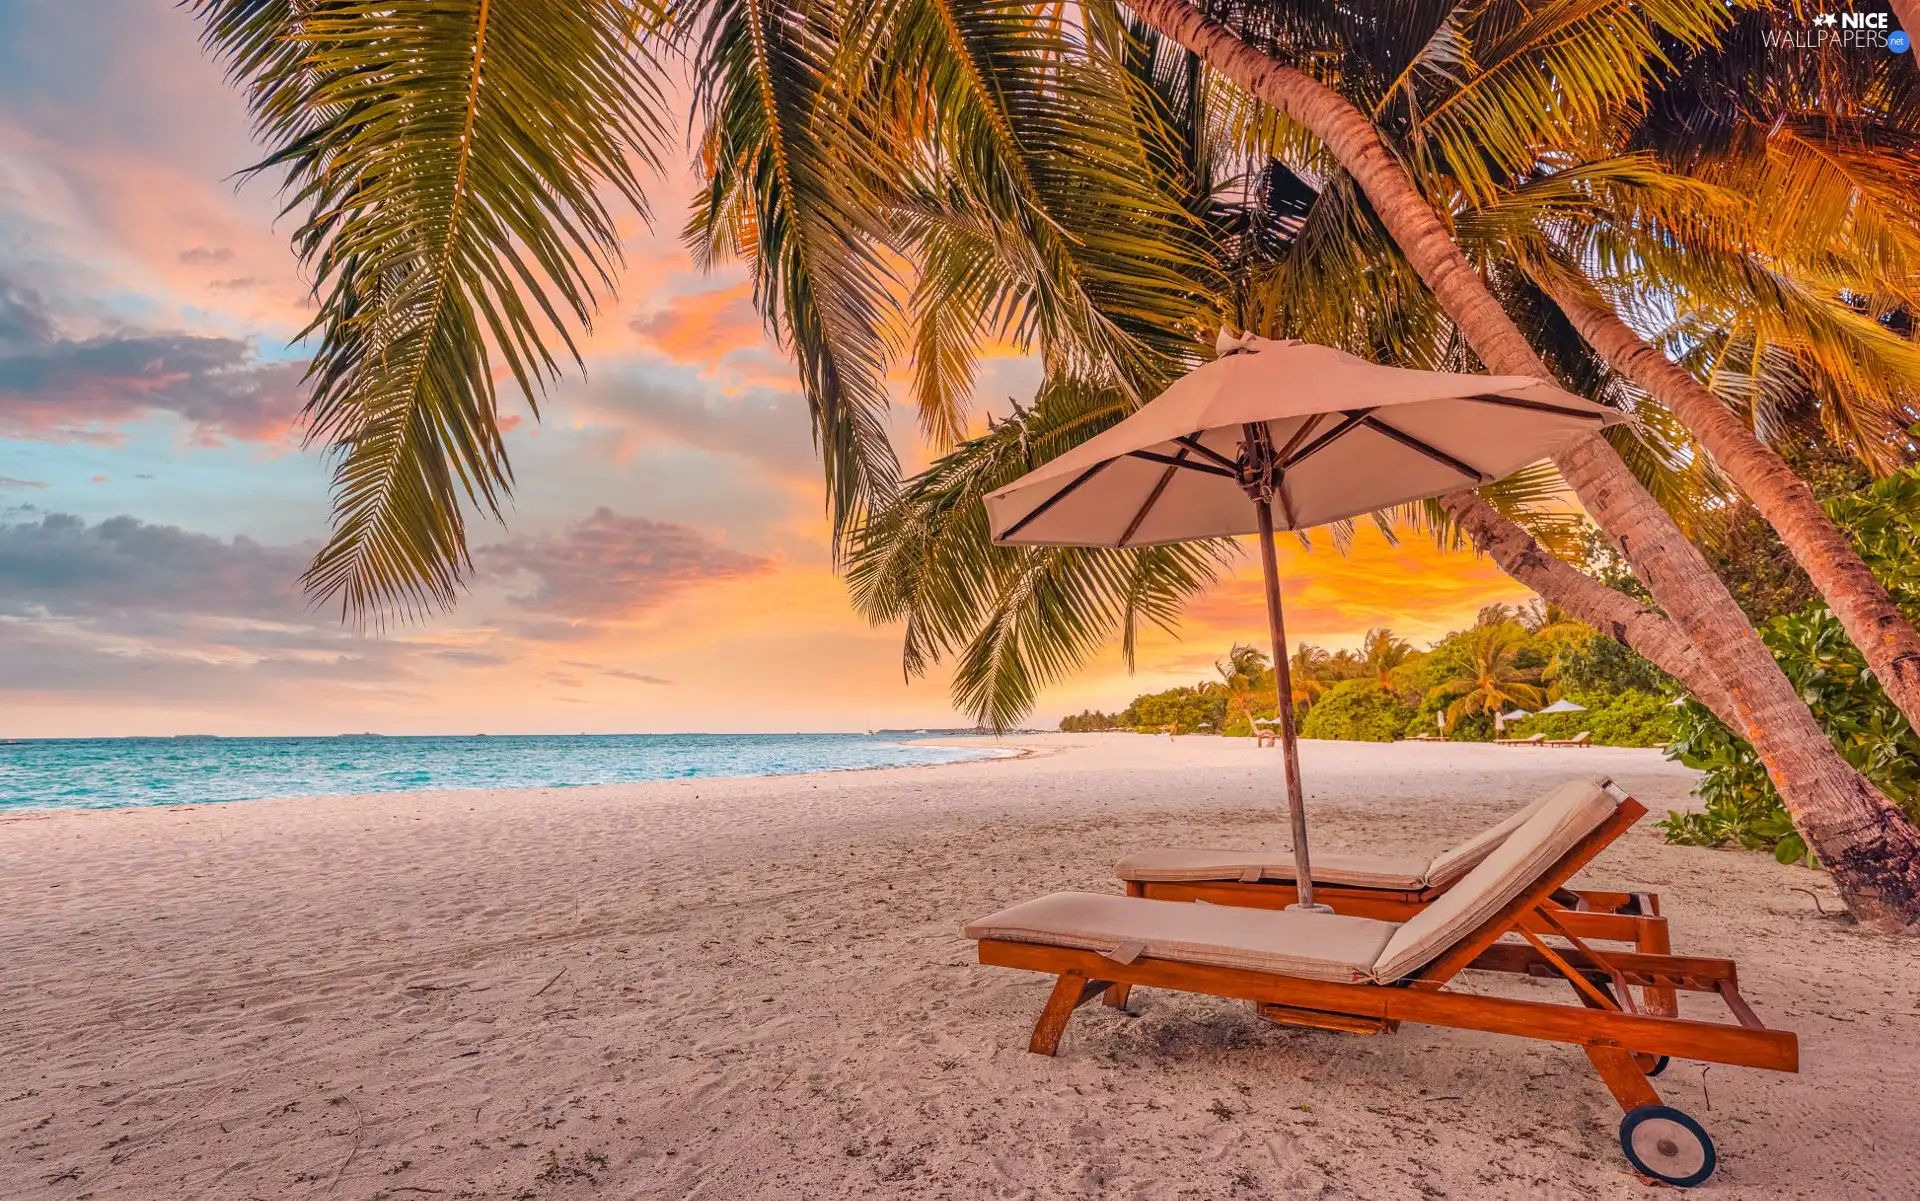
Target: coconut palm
point(1248, 680)
point(1783, 204)
point(1040, 178)
point(1487, 679)
point(1484, 144)
point(1384, 652)
point(1313, 672)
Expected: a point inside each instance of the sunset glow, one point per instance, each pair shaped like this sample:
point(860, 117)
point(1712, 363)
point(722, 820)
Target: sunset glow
point(665, 566)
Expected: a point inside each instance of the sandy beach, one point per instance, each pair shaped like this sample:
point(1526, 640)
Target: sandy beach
point(757, 988)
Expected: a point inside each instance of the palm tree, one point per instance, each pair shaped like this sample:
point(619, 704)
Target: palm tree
point(1486, 678)
point(1310, 668)
point(1831, 804)
point(1384, 652)
point(1787, 166)
point(1038, 178)
point(1248, 679)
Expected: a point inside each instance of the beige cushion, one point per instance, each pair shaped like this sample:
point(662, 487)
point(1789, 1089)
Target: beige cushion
point(1170, 866)
point(1571, 812)
point(1354, 871)
point(1315, 946)
point(1449, 866)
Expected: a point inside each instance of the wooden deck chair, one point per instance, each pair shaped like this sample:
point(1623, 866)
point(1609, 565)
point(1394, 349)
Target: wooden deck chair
point(1361, 975)
point(1583, 738)
point(1530, 740)
point(1395, 888)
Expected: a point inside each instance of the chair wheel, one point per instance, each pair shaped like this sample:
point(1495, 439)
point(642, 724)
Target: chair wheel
point(1652, 1065)
point(1661, 1142)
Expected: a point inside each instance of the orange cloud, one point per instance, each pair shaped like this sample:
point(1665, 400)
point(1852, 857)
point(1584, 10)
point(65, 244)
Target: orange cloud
point(701, 327)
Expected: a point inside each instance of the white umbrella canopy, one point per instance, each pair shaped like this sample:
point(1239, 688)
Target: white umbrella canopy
point(1284, 436)
point(1563, 705)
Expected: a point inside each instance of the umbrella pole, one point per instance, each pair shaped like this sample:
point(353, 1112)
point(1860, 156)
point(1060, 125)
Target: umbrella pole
point(1283, 688)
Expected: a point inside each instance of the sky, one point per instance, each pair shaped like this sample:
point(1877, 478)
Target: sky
point(664, 565)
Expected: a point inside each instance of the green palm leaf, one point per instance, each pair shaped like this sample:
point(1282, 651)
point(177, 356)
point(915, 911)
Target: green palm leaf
point(790, 187)
point(448, 160)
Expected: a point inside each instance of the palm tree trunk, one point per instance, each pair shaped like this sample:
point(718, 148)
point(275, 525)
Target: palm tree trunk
point(1865, 611)
point(1615, 614)
point(1873, 850)
point(1909, 13)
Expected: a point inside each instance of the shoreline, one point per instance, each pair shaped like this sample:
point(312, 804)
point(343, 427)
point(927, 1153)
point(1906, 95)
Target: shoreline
point(14, 812)
point(995, 746)
point(756, 986)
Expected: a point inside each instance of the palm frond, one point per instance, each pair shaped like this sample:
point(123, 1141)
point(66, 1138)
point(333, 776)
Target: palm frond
point(791, 188)
point(1518, 80)
point(1013, 618)
point(449, 163)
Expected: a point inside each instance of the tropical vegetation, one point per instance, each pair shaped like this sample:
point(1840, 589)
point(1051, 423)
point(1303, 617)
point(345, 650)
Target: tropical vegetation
point(1389, 690)
point(1741, 805)
point(1529, 190)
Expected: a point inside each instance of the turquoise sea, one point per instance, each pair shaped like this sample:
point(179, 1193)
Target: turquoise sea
point(110, 773)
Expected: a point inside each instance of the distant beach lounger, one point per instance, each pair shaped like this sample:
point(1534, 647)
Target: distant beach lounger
point(1535, 740)
point(1365, 976)
point(1583, 738)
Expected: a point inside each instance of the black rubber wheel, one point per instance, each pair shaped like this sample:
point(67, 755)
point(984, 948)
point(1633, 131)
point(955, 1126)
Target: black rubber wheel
point(1659, 1066)
point(1661, 1142)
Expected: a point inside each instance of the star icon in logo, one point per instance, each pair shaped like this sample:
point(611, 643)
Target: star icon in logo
point(1826, 19)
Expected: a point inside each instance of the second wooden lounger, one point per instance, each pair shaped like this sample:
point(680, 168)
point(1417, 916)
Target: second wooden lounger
point(1394, 888)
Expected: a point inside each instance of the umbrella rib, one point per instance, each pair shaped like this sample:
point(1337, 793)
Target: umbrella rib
point(1514, 402)
point(1354, 417)
point(1412, 443)
point(1172, 461)
point(1192, 443)
point(1153, 498)
point(1055, 499)
point(1300, 435)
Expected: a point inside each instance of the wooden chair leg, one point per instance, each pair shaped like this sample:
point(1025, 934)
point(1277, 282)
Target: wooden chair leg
point(1070, 992)
point(1116, 996)
point(1653, 939)
point(1625, 1080)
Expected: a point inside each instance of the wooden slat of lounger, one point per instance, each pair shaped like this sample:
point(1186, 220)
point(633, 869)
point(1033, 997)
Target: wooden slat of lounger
point(1392, 905)
point(1678, 1037)
point(1692, 972)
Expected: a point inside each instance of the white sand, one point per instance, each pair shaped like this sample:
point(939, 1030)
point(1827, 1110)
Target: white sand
point(756, 988)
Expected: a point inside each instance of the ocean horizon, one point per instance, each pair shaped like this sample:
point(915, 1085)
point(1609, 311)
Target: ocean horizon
point(187, 769)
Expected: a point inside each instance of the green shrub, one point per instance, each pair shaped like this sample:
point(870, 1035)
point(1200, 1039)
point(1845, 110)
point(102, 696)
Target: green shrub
point(1827, 671)
point(1188, 708)
point(1630, 718)
point(1356, 711)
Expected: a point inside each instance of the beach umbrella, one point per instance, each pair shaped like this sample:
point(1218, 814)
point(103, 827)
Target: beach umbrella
point(1283, 436)
point(1564, 705)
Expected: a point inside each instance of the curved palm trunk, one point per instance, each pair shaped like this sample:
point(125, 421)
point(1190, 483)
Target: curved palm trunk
point(1614, 613)
point(1909, 13)
point(1873, 850)
point(1874, 623)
